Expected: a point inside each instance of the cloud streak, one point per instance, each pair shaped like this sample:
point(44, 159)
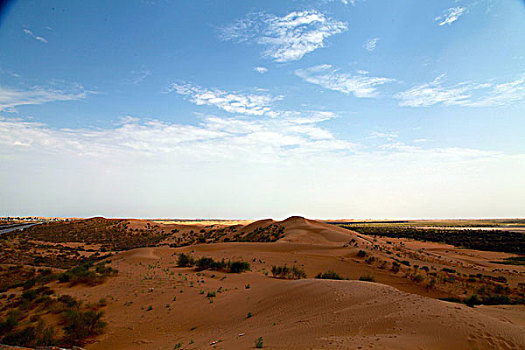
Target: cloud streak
point(286, 38)
point(465, 94)
point(233, 102)
point(11, 98)
point(370, 45)
point(360, 85)
point(450, 15)
point(36, 37)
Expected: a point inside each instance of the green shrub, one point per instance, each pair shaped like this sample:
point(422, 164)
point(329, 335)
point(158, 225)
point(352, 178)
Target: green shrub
point(29, 295)
point(361, 253)
point(259, 343)
point(22, 337)
point(298, 273)
point(81, 325)
point(367, 278)
point(285, 272)
point(472, 300)
point(330, 275)
point(204, 263)
point(10, 322)
point(68, 300)
point(495, 299)
point(417, 278)
point(185, 260)
point(239, 266)
point(451, 299)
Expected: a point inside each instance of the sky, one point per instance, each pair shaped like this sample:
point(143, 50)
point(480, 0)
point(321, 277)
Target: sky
point(253, 109)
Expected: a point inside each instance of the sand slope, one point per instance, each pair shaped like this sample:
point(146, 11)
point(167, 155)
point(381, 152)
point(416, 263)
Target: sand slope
point(153, 304)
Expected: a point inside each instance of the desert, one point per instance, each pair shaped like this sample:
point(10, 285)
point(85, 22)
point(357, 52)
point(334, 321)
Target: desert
point(300, 284)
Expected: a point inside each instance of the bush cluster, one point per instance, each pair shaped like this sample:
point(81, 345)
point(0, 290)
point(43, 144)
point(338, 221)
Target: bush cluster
point(82, 274)
point(293, 273)
point(207, 263)
point(330, 275)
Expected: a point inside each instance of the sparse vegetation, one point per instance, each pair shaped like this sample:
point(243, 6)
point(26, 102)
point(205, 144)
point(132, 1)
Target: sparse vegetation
point(288, 273)
point(367, 278)
point(491, 240)
point(330, 275)
point(259, 343)
point(206, 263)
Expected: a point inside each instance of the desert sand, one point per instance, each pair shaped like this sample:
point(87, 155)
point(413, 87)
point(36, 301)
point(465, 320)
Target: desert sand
point(154, 304)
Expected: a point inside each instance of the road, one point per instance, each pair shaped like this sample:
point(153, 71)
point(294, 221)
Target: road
point(10, 228)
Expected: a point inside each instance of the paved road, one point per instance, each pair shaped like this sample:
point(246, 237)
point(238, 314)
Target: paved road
point(11, 228)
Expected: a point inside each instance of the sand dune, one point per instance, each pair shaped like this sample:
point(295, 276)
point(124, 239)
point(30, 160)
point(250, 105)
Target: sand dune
point(153, 304)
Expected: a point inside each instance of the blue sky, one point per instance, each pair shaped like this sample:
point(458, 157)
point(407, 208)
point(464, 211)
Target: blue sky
point(250, 109)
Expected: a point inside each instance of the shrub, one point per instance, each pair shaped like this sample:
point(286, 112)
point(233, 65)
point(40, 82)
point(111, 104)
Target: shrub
point(29, 295)
point(361, 253)
point(239, 266)
point(10, 322)
point(80, 274)
point(285, 272)
point(417, 278)
point(298, 273)
point(105, 270)
point(367, 278)
point(204, 263)
point(185, 260)
point(280, 271)
point(259, 343)
point(472, 300)
point(330, 275)
point(451, 299)
point(395, 267)
point(22, 337)
point(81, 325)
point(495, 299)
point(68, 300)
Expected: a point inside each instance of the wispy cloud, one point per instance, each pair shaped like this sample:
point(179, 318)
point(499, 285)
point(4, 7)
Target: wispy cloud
point(227, 137)
point(370, 45)
point(11, 98)
point(389, 136)
point(256, 158)
point(36, 37)
point(286, 38)
point(360, 85)
point(466, 94)
point(233, 102)
point(450, 15)
point(139, 75)
point(261, 70)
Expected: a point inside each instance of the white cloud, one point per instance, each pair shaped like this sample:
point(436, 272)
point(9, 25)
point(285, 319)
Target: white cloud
point(286, 38)
point(36, 37)
point(370, 45)
point(360, 85)
point(271, 138)
point(261, 70)
point(252, 168)
point(502, 94)
point(450, 15)
point(389, 136)
point(139, 75)
point(466, 94)
point(233, 102)
point(11, 98)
